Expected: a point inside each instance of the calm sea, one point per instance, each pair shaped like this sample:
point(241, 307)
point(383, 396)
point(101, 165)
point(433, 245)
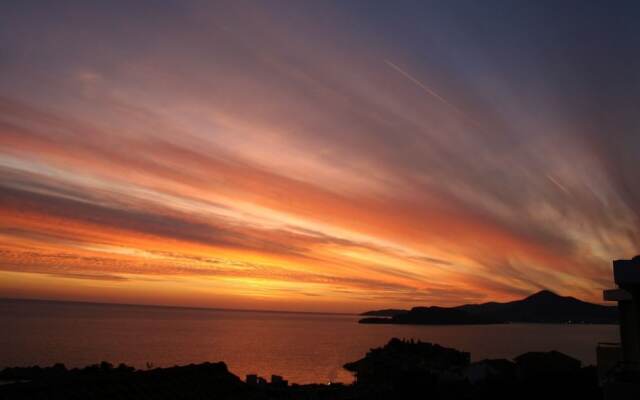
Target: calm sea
point(301, 347)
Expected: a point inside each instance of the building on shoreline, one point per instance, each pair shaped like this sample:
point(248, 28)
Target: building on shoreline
point(619, 363)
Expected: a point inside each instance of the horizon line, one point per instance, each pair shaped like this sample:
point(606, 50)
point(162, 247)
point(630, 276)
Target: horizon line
point(194, 308)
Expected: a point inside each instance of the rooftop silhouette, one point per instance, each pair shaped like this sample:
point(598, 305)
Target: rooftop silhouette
point(401, 369)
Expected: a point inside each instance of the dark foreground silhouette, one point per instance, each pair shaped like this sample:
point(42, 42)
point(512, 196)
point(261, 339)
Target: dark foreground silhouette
point(399, 370)
point(541, 307)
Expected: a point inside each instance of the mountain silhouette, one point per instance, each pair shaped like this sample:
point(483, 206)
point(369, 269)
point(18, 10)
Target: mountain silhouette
point(542, 307)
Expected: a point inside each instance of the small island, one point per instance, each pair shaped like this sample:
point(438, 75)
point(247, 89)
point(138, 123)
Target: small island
point(542, 307)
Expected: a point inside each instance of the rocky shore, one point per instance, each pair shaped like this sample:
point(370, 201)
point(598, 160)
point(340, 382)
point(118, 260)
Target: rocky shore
point(400, 369)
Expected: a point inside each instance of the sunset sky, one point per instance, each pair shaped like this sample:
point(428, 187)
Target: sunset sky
point(317, 155)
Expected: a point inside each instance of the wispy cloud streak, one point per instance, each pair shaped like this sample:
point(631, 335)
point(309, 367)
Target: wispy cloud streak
point(229, 154)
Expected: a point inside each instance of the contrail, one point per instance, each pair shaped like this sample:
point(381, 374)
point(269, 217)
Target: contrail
point(431, 92)
point(558, 184)
point(417, 82)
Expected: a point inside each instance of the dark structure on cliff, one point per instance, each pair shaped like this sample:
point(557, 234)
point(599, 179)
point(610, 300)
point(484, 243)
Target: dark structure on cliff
point(619, 363)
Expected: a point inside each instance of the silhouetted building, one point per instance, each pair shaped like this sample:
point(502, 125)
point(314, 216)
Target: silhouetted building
point(619, 366)
point(252, 379)
point(497, 370)
point(278, 381)
point(540, 364)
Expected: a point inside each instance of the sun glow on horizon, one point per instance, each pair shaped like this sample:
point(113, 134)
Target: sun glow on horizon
point(240, 157)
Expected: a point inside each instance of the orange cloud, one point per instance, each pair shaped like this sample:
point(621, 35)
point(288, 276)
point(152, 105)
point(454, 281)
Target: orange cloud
point(274, 167)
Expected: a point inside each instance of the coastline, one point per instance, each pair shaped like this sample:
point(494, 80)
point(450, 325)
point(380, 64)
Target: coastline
point(401, 368)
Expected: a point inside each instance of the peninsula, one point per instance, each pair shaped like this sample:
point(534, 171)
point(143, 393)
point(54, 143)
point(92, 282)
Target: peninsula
point(542, 307)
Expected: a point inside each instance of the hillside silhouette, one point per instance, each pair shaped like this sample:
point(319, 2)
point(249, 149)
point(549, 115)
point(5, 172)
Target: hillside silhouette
point(542, 307)
point(401, 369)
